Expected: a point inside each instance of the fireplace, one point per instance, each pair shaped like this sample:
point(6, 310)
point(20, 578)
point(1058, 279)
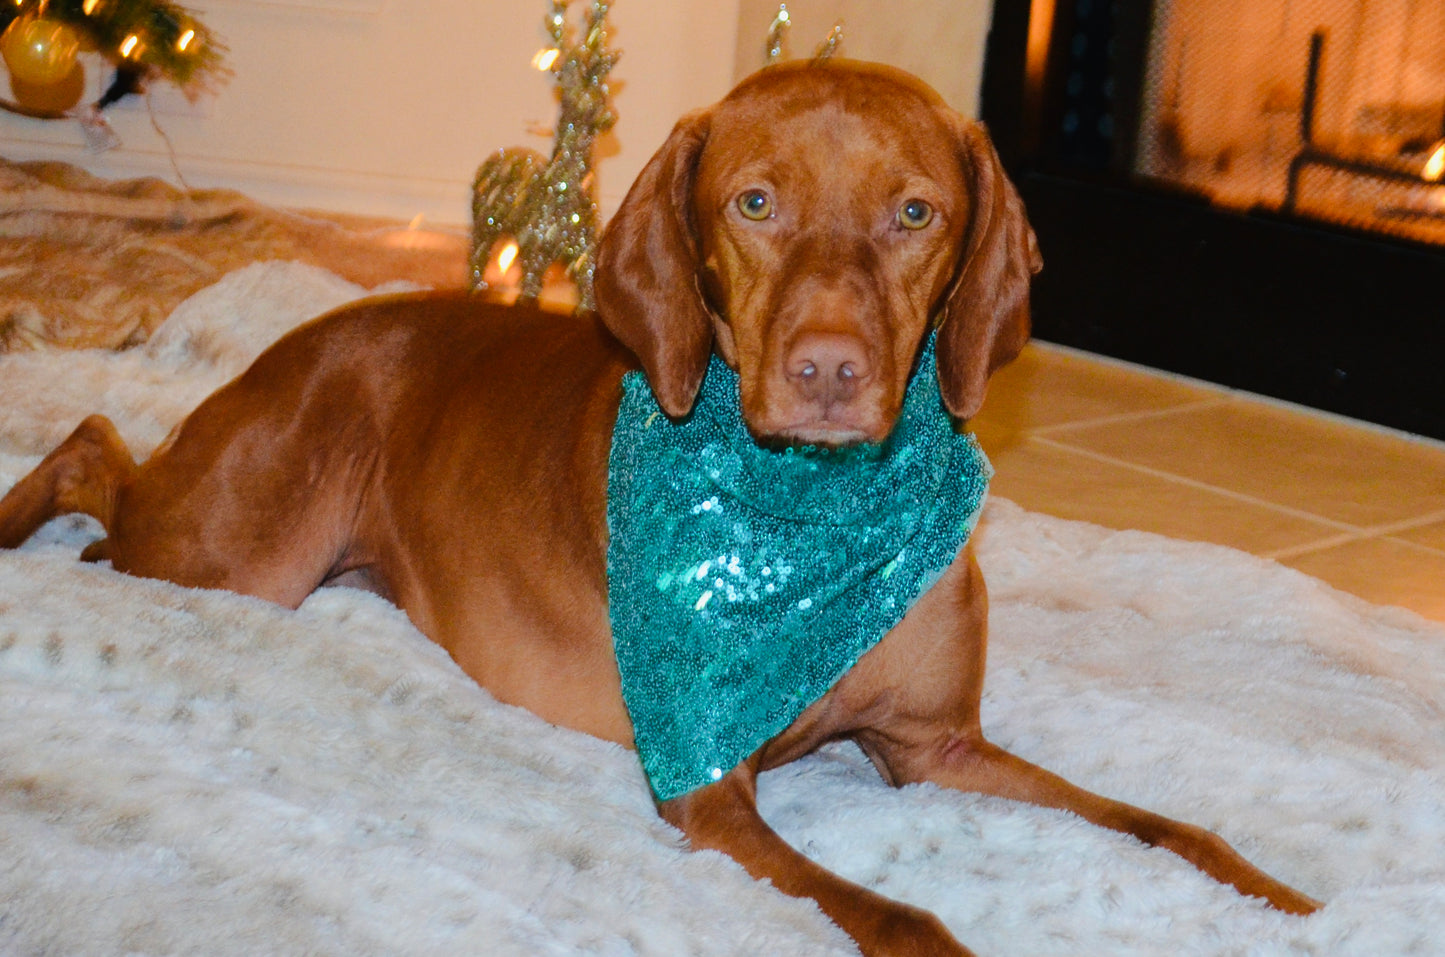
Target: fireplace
point(1331, 108)
point(1246, 191)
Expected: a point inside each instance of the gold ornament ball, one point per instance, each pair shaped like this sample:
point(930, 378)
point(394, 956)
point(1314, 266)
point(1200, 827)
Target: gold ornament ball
point(50, 97)
point(39, 51)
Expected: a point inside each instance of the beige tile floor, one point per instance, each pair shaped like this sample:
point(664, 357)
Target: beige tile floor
point(1086, 438)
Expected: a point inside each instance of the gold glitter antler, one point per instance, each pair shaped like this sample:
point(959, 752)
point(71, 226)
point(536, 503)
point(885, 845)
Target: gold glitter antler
point(777, 36)
point(777, 32)
point(830, 43)
point(546, 206)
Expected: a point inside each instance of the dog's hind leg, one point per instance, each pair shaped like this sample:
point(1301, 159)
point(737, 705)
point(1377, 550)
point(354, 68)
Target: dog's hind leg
point(967, 762)
point(84, 474)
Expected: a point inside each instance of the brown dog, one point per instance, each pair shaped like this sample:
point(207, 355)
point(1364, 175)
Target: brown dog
point(452, 453)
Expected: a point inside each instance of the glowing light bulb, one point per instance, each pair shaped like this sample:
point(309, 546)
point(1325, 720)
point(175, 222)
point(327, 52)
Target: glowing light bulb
point(185, 40)
point(545, 58)
point(128, 47)
point(1435, 165)
point(507, 256)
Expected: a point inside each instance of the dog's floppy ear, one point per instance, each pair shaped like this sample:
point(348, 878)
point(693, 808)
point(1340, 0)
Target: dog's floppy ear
point(647, 269)
point(985, 318)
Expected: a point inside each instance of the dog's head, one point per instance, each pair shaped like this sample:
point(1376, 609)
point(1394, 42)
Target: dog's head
point(812, 227)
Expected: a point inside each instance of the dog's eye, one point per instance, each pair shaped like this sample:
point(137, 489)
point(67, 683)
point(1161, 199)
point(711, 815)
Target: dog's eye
point(755, 204)
point(915, 214)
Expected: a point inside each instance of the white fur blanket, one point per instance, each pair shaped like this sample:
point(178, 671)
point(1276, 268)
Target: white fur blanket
point(195, 772)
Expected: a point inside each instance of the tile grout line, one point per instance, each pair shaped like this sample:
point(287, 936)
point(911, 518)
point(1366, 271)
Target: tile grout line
point(1231, 394)
point(1343, 527)
point(1366, 534)
point(1310, 548)
point(1298, 551)
point(1119, 418)
point(1406, 524)
point(1346, 532)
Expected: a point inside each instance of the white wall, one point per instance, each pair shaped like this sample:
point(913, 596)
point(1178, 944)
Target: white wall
point(388, 106)
point(941, 41)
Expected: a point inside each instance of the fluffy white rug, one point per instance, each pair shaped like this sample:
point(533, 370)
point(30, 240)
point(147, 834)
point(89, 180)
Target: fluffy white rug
point(194, 772)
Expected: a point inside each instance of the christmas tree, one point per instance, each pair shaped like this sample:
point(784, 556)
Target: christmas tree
point(146, 40)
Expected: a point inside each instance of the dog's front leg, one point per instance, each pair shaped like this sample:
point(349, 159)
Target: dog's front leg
point(724, 817)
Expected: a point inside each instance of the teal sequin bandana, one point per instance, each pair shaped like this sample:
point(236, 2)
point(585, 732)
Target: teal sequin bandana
point(744, 582)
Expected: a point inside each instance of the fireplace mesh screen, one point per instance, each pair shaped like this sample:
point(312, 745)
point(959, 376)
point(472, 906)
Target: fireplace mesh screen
point(1333, 109)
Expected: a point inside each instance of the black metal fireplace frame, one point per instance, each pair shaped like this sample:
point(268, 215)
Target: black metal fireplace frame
point(1313, 153)
point(1266, 301)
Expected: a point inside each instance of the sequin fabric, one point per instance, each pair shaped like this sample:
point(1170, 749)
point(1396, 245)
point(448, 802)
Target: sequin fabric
point(744, 582)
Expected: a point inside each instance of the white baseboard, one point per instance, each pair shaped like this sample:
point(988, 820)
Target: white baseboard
point(301, 187)
point(439, 202)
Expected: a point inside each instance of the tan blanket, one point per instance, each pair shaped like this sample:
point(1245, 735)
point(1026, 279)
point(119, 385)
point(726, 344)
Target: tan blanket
point(93, 263)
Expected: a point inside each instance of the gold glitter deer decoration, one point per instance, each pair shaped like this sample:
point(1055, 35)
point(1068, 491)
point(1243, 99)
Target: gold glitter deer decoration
point(547, 206)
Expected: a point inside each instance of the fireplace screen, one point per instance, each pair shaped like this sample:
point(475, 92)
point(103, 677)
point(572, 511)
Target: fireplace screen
point(1332, 109)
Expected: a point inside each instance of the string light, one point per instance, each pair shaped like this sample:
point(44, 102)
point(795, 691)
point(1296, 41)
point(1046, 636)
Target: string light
point(1435, 165)
point(128, 47)
point(545, 58)
point(185, 40)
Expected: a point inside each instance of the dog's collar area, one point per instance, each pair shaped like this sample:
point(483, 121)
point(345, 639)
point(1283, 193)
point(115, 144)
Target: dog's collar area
point(745, 581)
